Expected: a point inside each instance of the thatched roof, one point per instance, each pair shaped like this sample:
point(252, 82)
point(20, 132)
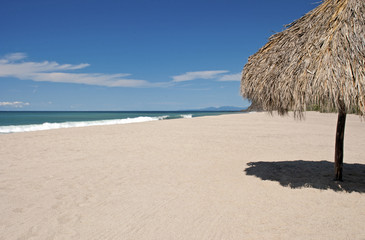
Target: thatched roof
point(317, 60)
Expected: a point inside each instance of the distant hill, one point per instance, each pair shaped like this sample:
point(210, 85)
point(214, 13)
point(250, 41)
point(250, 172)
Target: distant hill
point(218, 109)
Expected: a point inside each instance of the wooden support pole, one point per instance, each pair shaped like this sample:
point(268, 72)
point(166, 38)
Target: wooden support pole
point(341, 121)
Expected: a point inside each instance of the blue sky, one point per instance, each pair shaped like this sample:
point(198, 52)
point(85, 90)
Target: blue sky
point(132, 54)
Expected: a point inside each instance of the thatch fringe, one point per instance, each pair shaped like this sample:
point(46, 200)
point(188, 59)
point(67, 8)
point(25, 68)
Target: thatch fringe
point(318, 60)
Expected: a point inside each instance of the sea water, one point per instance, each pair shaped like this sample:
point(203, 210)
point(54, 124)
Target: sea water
point(26, 121)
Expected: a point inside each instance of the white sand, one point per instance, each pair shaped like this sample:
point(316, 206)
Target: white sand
point(185, 179)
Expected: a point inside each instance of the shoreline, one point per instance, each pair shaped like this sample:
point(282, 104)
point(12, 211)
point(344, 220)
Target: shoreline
point(50, 122)
point(234, 176)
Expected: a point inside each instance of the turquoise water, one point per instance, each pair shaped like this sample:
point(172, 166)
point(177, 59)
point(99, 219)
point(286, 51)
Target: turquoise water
point(19, 121)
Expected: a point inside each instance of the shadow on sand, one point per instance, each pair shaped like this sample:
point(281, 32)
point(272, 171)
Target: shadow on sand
point(310, 174)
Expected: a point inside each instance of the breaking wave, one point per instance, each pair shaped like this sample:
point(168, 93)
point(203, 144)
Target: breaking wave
point(187, 116)
point(48, 126)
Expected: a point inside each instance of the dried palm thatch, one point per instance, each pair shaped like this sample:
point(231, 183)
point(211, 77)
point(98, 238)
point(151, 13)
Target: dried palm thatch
point(317, 60)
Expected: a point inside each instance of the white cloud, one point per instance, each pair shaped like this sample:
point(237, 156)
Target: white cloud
point(230, 77)
point(10, 66)
point(14, 104)
point(14, 56)
point(197, 75)
point(14, 65)
point(109, 80)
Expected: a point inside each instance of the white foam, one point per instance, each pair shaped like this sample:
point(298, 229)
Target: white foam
point(48, 126)
point(187, 116)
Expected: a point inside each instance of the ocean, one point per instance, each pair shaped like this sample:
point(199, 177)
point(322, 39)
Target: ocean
point(26, 121)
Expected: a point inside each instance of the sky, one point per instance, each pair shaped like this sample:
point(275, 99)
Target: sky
point(132, 55)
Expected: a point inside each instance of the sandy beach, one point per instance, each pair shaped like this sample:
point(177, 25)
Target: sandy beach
point(240, 176)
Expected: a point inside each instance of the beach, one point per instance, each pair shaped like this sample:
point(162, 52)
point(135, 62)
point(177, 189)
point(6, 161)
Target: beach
point(237, 176)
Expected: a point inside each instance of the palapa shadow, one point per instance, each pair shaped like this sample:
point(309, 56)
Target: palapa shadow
point(310, 174)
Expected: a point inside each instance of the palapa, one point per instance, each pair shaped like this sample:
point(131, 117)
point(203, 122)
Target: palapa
point(317, 60)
